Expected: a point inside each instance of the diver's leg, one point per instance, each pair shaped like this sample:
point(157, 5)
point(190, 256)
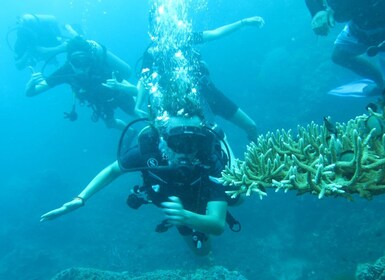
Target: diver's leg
point(111, 121)
point(125, 102)
point(115, 123)
point(223, 106)
point(198, 242)
point(348, 51)
point(243, 121)
point(203, 250)
point(358, 65)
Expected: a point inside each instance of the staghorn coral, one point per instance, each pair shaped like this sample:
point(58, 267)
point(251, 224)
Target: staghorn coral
point(214, 273)
point(325, 160)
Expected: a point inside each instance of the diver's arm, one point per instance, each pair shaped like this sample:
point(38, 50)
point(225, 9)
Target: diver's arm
point(123, 86)
point(48, 52)
point(210, 35)
point(129, 88)
point(37, 84)
point(141, 99)
point(103, 179)
point(213, 222)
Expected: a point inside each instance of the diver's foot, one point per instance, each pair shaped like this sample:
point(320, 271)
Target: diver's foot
point(373, 90)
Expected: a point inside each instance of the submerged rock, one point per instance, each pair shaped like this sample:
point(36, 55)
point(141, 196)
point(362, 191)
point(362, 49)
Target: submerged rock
point(213, 273)
point(369, 271)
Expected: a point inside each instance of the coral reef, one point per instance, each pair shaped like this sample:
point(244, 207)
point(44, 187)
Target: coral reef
point(212, 273)
point(326, 160)
point(374, 271)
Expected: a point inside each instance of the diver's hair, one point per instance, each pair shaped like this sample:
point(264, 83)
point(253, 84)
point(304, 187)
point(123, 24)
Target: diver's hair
point(78, 44)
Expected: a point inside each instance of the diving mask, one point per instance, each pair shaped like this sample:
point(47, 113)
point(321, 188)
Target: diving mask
point(186, 139)
point(80, 60)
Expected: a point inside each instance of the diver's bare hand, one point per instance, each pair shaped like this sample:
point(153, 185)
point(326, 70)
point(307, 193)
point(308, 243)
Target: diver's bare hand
point(254, 21)
point(37, 78)
point(122, 85)
point(112, 83)
point(322, 22)
point(66, 208)
point(174, 211)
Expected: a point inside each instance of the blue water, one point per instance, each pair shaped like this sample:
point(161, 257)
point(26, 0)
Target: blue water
point(279, 75)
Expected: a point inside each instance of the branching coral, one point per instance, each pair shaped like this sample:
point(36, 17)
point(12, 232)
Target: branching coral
point(325, 160)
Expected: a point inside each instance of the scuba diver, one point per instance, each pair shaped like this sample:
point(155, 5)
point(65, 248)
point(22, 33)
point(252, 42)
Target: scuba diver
point(217, 103)
point(178, 157)
point(364, 30)
point(97, 77)
point(38, 38)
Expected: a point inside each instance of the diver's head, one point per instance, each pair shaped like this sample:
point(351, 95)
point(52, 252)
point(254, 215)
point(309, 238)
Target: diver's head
point(78, 43)
point(80, 53)
point(80, 61)
point(185, 138)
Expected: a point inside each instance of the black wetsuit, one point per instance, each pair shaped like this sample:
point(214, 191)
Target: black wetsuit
point(88, 89)
point(218, 102)
point(190, 183)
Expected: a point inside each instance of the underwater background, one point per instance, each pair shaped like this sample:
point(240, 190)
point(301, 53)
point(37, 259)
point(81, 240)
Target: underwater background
point(279, 75)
